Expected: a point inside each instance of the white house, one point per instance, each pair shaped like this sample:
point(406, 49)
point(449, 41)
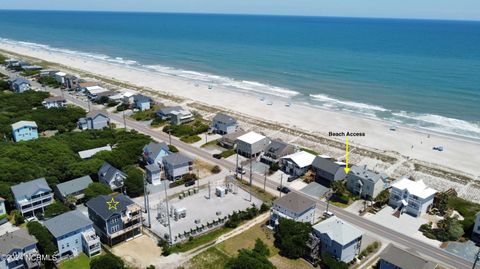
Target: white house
point(294, 206)
point(337, 238)
point(251, 144)
point(3, 211)
point(153, 174)
point(297, 164)
point(60, 77)
point(94, 91)
point(176, 114)
point(54, 102)
point(224, 124)
point(413, 197)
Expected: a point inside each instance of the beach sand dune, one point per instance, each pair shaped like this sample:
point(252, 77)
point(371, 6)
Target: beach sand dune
point(459, 153)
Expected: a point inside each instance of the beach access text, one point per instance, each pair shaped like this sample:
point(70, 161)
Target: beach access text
point(346, 134)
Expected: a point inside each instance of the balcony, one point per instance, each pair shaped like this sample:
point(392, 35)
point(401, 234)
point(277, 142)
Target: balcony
point(36, 199)
point(126, 230)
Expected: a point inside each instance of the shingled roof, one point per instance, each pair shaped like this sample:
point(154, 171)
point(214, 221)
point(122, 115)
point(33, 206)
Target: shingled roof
point(295, 202)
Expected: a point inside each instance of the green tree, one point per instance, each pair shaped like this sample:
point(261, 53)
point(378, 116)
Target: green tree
point(107, 261)
point(329, 262)
point(261, 248)
point(248, 259)
point(45, 239)
point(95, 189)
point(134, 181)
point(382, 198)
point(338, 187)
point(291, 238)
point(441, 202)
point(449, 229)
point(55, 209)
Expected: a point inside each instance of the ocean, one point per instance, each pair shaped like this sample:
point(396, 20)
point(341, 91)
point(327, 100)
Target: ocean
point(420, 73)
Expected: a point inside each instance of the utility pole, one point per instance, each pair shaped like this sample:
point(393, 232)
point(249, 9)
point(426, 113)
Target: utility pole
point(147, 202)
point(198, 179)
point(209, 191)
point(236, 167)
point(477, 257)
point(265, 180)
point(124, 121)
point(250, 179)
point(168, 215)
point(88, 102)
point(328, 201)
point(206, 138)
point(169, 136)
point(281, 184)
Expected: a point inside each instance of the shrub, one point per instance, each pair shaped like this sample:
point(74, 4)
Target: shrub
point(107, 261)
point(172, 148)
point(216, 169)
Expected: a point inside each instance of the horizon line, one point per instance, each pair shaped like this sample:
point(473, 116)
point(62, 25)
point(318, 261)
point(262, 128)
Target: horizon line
point(248, 14)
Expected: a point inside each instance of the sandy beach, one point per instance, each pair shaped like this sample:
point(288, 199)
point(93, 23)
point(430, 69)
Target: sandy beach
point(459, 153)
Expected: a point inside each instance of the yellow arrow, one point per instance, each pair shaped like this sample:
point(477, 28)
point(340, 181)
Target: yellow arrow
point(346, 158)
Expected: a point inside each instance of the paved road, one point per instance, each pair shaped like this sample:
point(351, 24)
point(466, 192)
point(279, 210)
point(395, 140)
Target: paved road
point(365, 224)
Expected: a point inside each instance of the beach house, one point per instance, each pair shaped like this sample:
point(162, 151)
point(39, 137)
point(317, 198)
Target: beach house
point(476, 228)
point(141, 102)
point(229, 140)
point(153, 174)
point(176, 114)
point(294, 206)
point(74, 233)
point(176, 165)
point(328, 170)
point(19, 85)
point(87, 154)
point(60, 77)
point(54, 102)
point(276, 150)
point(95, 119)
point(116, 218)
point(32, 197)
point(224, 124)
point(74, 188)
point(365, 183)
point(412, 197)
point(95, 91)
point(17, 250)
point(297, 164)
point(154, 152)
point(24, 131)
point(393, 257)
point(251, 144)
point(111, 176)
point(335, 237)
point(83, 85)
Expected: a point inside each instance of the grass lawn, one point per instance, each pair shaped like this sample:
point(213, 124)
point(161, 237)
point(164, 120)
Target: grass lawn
point(227, 153)
point(191, 139)
point(80, 262)
point(467, 209)
point(258, 192)
point(247, 240)
point(210, 143)
point(211, 258)
point(310, 151)
point(200, 240)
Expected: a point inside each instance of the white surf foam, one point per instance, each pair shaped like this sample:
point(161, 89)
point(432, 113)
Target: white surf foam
point(332, 102)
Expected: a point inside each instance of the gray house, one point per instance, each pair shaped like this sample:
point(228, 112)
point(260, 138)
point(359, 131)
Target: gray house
point(32, 197)
point(95, 119)
point(326, 169)
point(111, 176)
point(153, 174)
point(393, 257)
point(141, 102)
point(154, 152)
point(251, 144)
point(54, 102)
point(116, 218)
point(224, 124)
point(365, 183)
point(335, 237)
point(74, 187)
point(74, 233)
point(276, 150)
point(176, 114)
point(176, 165)
point(18, 244)
point(20, 85)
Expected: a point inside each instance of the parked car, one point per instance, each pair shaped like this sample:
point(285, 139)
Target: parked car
point(240, 170)
point(439, 148)
point(283, 189)
point(328, 214)
point(189, 183)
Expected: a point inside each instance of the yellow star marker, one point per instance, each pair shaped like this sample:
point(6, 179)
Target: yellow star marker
point(112, 204)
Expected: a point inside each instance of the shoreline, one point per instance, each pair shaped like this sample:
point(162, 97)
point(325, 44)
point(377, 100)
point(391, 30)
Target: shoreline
point(460, 152)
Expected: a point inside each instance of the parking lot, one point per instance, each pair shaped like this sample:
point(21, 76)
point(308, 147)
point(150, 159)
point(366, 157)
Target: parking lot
point(204, 211)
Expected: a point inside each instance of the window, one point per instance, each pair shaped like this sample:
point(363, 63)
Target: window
point(76, 241)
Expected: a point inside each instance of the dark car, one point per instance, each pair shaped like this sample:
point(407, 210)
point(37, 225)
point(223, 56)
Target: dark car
point(189, 183)
point(283, 189)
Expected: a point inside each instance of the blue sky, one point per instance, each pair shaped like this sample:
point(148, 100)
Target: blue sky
point(424, 9)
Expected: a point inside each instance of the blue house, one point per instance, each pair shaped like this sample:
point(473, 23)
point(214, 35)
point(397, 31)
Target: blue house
point(20, 85)
point(32, 197)
point(21, 245)
point(116, 218)
point(153, 153)
point(24, 131)
point(141, 102)
point(337, 238)
point(94, 120)
point(74, 233)
point(224, 124)
point(111, 176)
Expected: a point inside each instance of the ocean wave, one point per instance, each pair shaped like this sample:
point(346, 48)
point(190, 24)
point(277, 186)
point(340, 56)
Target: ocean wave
point(439, 123)
point(332, 102)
